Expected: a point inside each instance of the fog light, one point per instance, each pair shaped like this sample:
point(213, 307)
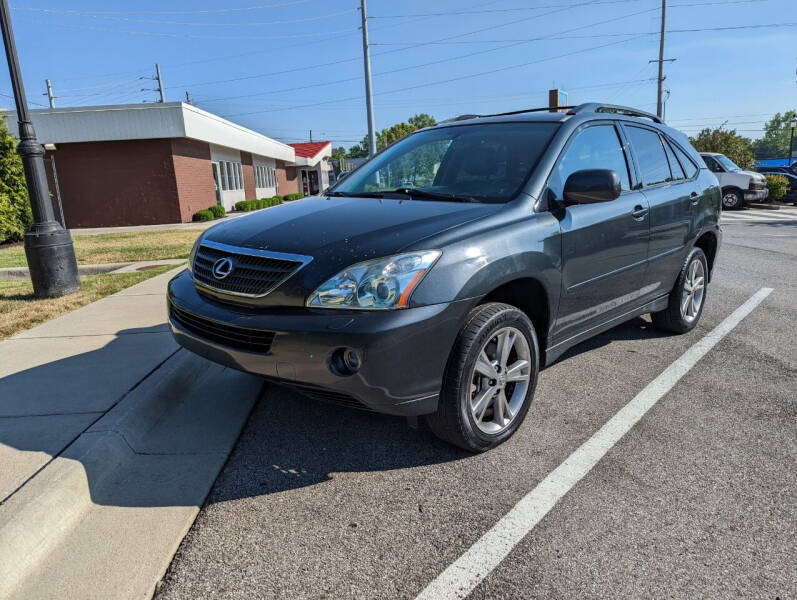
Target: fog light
point(345, 362)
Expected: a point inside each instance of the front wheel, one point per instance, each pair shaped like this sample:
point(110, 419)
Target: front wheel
point(732, 200)
point(490, 379)
point(687, 296)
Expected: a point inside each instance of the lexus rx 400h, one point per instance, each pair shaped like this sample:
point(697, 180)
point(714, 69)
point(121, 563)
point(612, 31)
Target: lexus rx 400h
point(440, 276)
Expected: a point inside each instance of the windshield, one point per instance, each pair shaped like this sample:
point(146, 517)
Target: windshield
point(727, 163)
point(483, 163)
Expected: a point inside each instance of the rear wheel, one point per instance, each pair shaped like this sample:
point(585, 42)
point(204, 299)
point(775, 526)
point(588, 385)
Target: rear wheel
point(687, 296)
point(732, 200)
point(490, 379)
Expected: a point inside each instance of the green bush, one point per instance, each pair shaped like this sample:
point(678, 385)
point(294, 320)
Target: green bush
point(218, 211)
point(289, 197)
point(778, 186)
point(203, 215)
point(243, 206)
point(15, 213)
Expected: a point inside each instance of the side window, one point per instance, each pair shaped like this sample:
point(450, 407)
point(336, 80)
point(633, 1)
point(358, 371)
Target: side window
point(675, 167)
point(596, 147)
point(711, 164)
point(689, 167)
point(653, 165)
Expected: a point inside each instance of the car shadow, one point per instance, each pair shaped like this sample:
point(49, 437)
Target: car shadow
point(289, 441)
point(638, 328)
point(292, 441)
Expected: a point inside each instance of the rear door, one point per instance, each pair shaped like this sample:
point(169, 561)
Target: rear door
point(671, 196)
point(604, 245)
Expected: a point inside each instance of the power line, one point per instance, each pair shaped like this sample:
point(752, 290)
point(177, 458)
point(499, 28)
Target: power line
point(440, 82)
point(165, 12)
point(432, 63)
point(526, 8)
point(107, 17)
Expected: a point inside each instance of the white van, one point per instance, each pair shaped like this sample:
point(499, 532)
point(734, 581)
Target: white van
point(738, 186)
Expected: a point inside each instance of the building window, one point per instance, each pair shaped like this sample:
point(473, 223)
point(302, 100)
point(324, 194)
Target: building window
point(225, 181)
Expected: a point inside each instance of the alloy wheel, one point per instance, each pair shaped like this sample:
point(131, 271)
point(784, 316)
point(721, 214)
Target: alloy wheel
point(694, 287)
point(500, 380)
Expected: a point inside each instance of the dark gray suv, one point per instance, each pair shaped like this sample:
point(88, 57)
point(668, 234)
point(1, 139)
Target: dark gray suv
point(439, 277)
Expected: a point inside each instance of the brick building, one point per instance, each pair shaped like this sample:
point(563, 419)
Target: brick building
point(156, 163)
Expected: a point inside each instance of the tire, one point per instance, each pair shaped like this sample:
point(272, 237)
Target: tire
point(496, 393)
point(675, 317)
point(732, 200)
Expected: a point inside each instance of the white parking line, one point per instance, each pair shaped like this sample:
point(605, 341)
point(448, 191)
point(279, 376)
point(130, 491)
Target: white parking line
point(461, 577)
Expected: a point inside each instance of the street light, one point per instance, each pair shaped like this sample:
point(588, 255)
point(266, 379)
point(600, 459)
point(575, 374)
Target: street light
point(792, 125)
point(48, 246)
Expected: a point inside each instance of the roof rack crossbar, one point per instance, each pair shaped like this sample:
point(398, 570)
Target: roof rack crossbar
point(615, 109)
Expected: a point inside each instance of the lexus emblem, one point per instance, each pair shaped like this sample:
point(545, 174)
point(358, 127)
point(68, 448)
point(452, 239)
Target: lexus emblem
point(222, 268)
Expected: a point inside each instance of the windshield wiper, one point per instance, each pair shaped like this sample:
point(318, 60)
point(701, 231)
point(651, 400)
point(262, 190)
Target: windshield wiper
point(419, 193)
point(356, 195)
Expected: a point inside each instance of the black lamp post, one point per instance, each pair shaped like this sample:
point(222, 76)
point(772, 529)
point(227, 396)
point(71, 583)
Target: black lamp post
point(48, 246)
point(792, 125)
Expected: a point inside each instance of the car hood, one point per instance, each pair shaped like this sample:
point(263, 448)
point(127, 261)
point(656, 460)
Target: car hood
point(752, 175)
point(342, 231)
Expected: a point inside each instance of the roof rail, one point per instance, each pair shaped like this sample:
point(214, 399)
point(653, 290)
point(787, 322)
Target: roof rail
point(512, 112)
point(614, 109)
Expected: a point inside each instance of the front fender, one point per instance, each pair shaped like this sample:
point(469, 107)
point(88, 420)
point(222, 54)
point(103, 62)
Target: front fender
point(477, 264)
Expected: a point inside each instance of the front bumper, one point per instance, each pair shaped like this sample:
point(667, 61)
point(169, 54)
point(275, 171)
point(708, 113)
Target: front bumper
point(403, 352)
point(756, 195)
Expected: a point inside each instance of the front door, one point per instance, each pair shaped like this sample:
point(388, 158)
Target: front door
point(313, 179)
point(217, 182)
point(604, 245)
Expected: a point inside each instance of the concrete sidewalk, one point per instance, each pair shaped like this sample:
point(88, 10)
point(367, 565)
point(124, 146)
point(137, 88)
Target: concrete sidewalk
point(110, 438)
point(160, 227)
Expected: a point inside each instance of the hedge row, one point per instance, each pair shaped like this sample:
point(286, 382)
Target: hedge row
point(289, 197)
point(247, 205)
point(208, 214)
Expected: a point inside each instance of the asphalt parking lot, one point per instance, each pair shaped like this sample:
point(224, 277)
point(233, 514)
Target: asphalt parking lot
point(698, 499)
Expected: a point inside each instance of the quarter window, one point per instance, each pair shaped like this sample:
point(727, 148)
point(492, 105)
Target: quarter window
point(650, 154)
point(677, 171)
point(689, 167)
point(597, 147)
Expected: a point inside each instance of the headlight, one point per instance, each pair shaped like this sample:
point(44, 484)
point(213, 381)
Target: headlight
point(374, 284)
point(192, 254)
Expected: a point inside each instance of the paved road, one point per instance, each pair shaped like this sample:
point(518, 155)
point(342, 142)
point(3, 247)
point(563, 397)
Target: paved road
point(697, 500)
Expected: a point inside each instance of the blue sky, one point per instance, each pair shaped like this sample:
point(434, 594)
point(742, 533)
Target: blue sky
point(259, 62)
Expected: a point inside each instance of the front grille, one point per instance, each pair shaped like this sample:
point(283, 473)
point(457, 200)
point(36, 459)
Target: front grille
point(327, 395)
point(253, 340)
point(254, 273)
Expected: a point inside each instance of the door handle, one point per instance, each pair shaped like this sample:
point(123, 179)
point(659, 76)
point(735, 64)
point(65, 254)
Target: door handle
point(639, 212)
point(694, 197)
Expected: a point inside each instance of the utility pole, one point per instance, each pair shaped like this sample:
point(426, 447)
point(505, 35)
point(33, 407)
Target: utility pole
point(369, 100)
point(311, 135)
point(48, 246)
point(160, 81)
point(659, 100)
point(49, 93)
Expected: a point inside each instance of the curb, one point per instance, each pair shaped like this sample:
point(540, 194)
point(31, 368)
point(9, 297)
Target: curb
point(173, 431)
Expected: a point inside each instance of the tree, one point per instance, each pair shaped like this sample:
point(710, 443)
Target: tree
point(736, 147)
point(338, 153)
point(775, 141)
point(392, 134)
point(15, 212)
